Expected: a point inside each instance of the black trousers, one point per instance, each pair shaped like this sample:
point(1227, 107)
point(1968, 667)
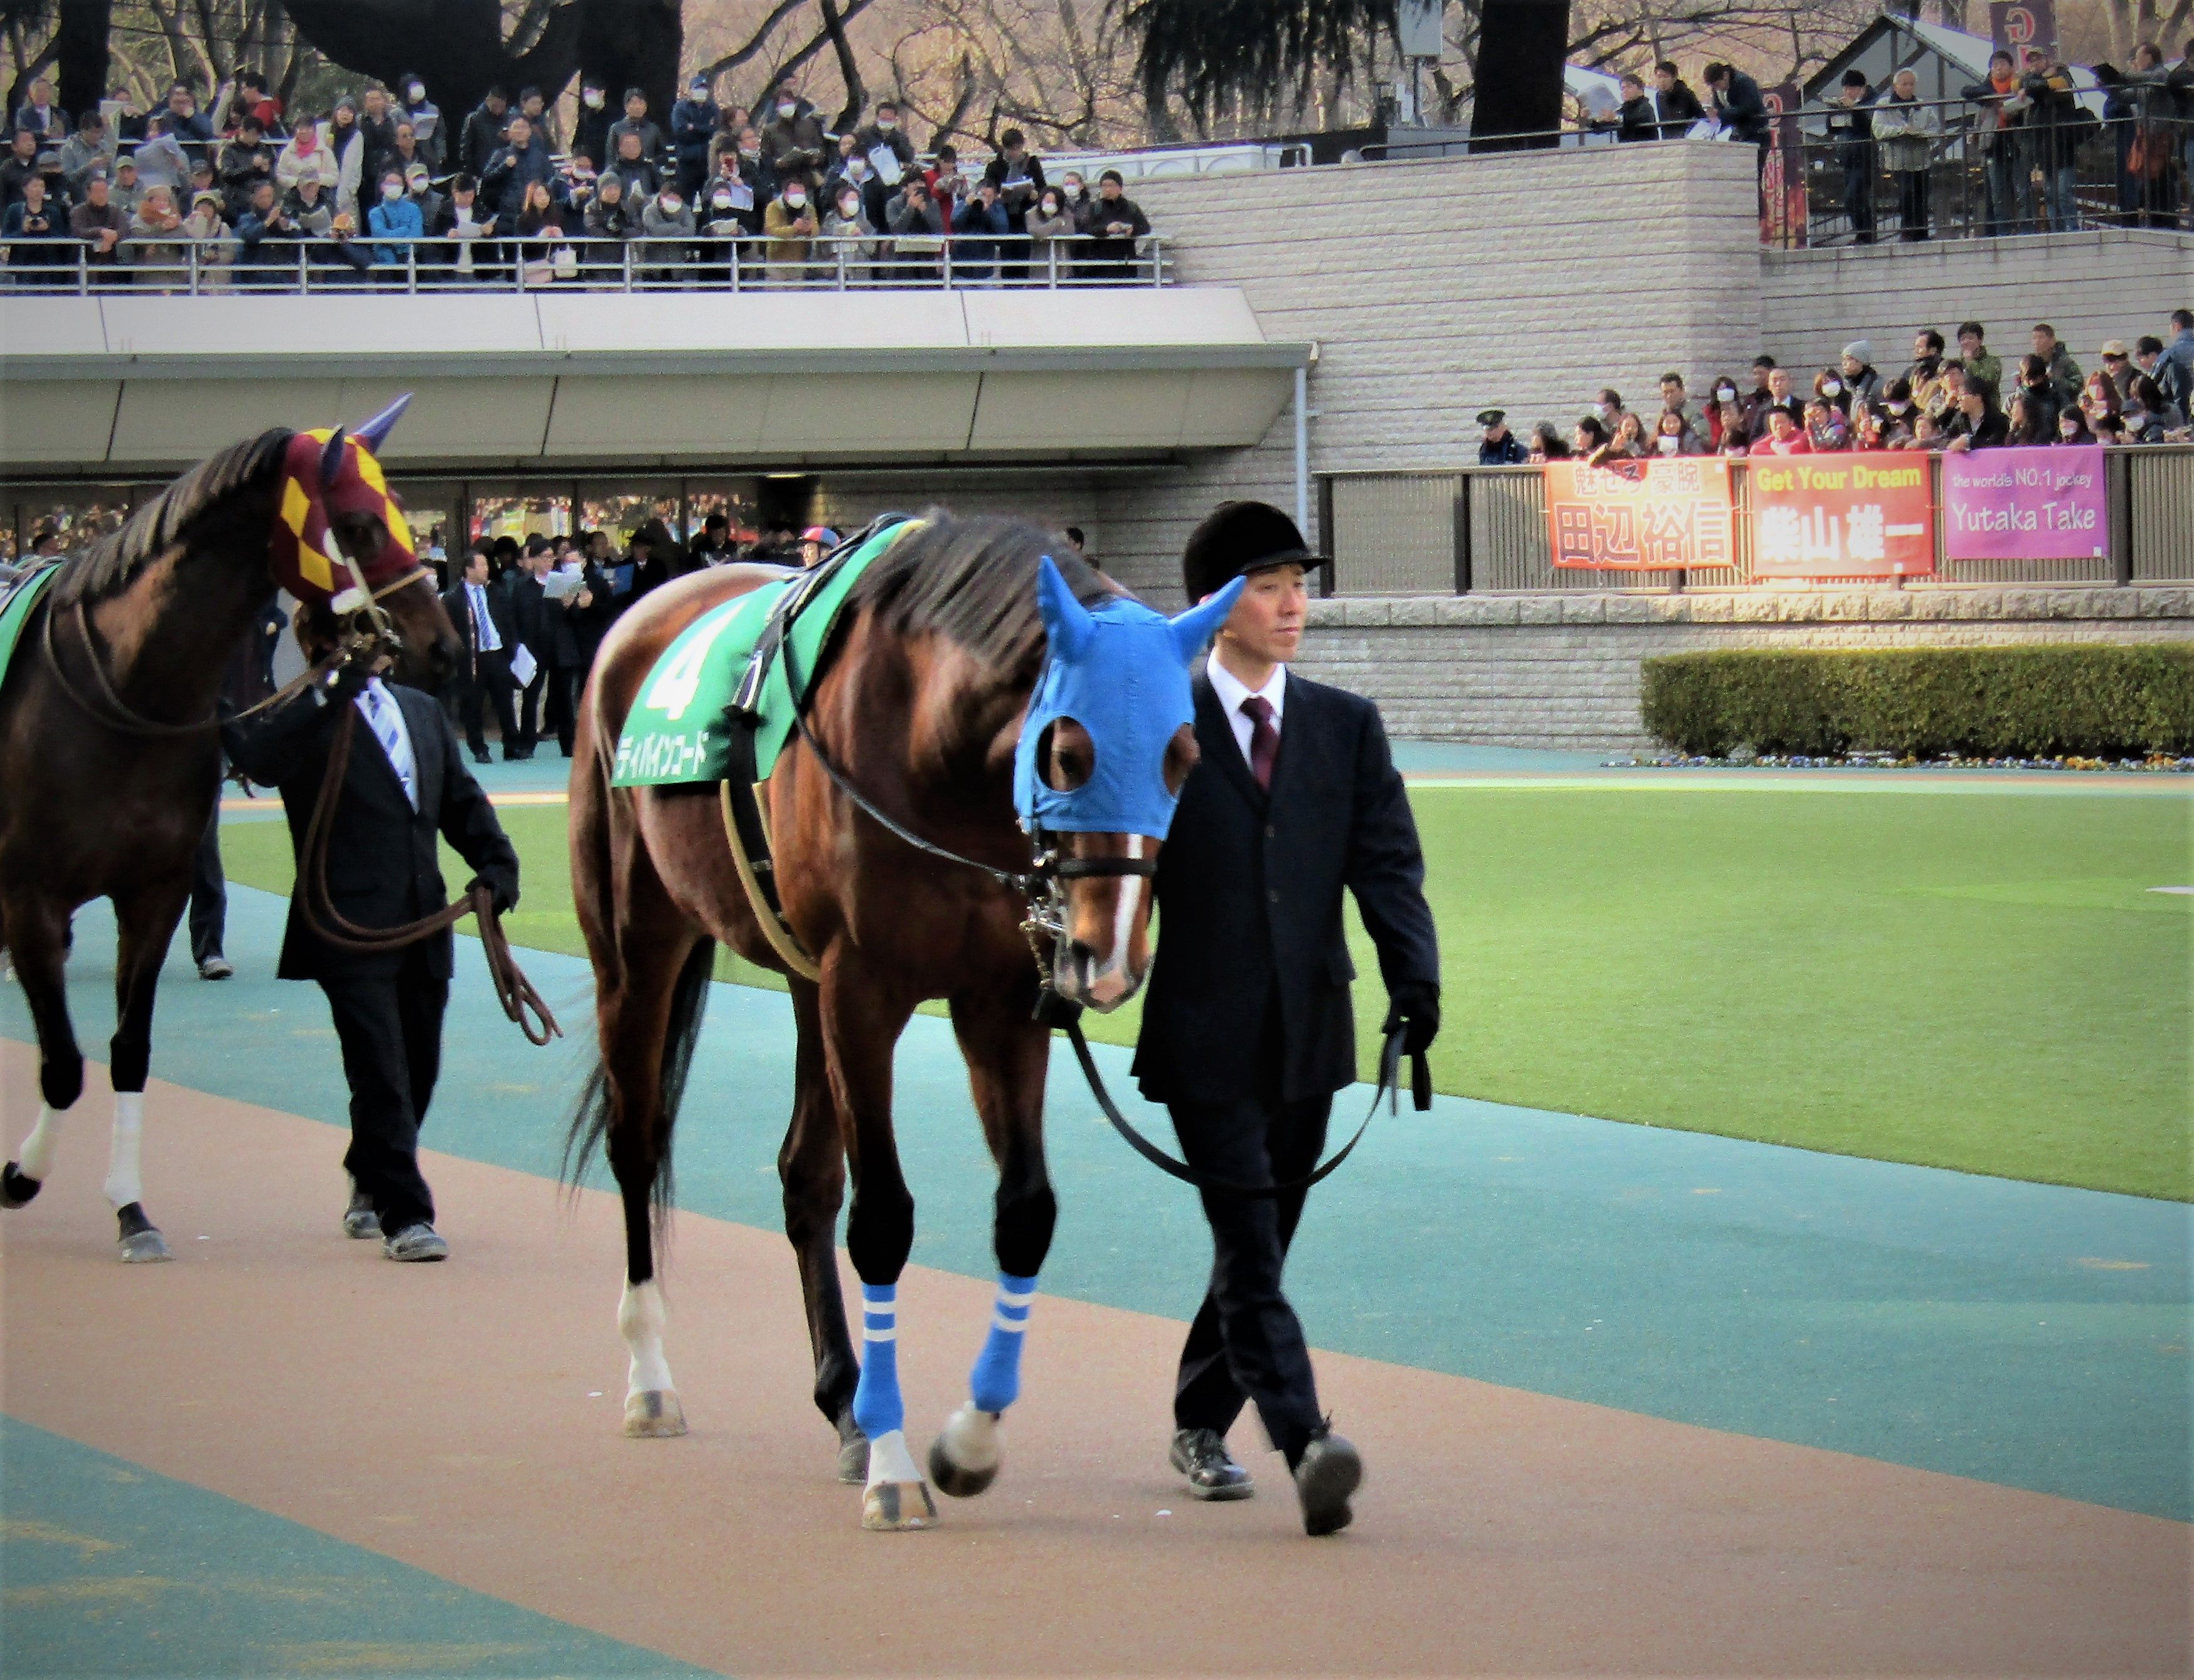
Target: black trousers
point(208, 893)
point(529, 709)
point(1246, 1343)
point(1912, 203)
point(562, 714)
point(390, 1028)
point(489, 685)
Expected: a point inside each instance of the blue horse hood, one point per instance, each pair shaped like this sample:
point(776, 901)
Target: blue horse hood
point(1121, 670)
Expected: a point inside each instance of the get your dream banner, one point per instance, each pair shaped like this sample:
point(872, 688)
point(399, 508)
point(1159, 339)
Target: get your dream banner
point(1842, 516)
point(2025, 504)
point(1666, 515)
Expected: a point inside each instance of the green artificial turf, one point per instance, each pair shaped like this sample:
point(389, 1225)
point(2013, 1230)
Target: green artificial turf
point(1967, 980)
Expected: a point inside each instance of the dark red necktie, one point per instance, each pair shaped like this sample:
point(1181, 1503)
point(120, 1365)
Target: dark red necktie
point(1264, 739)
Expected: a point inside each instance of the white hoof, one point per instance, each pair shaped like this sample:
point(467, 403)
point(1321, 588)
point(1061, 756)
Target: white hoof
point(897, 1497)
point(964, 1459)
point(144, 1248)
point(653, 1412)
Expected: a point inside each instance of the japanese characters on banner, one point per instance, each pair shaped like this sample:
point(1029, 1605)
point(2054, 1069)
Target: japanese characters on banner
point(2025, 504)
point(1640, 515)
point(1842, 516)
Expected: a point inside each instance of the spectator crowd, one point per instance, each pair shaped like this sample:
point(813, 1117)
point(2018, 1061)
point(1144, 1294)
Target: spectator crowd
point(383, 188)
point(2139, 393)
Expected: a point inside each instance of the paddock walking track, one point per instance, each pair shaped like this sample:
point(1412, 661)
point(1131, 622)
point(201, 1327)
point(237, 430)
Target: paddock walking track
point(1632, 1401)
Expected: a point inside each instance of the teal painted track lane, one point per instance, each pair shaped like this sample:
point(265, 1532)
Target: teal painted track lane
point(2026, 1334)
point(111, 1569)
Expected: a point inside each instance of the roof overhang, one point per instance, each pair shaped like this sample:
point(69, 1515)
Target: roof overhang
point(132, 381)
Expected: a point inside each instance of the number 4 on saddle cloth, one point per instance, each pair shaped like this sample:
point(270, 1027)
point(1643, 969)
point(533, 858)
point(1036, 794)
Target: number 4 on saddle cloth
point(719, 706)
point(681, 729)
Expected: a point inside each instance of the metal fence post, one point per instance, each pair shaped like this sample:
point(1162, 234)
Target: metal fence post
point(411, 266)
point(838, 247)
point(304, 271)
point(624, 266)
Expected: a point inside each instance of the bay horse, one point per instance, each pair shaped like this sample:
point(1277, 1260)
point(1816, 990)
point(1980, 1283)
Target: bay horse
point(919, 703)
point(110, 760)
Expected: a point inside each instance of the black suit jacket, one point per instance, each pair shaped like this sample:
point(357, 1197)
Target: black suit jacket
point(457, 602)
point(1249, 896)
point(382, 866)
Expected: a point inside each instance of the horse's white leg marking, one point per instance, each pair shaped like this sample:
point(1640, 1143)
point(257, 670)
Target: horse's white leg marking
point(124, 1176)
point(1110, 985)
point(36, 1160)
point(641, 1317)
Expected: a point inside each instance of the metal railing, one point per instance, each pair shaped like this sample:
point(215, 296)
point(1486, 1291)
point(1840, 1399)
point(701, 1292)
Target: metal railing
point(560, 262)
point(1483, 530)
point(1978, 181)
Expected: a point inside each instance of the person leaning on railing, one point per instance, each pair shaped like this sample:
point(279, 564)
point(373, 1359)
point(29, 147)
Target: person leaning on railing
point(667, 222)
point(155, 246)
point(853, 244)
point(790, 224)
point(396, 220)
point(2058, 124)
point(35, 232)
point(100, 223)
point(1115, 223)
point(2141, 110)
point(2007, 196)
point(918, 229)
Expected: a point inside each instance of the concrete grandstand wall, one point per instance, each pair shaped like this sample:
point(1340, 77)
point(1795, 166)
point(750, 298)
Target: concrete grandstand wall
point(1438, 287)
point(2111, 283)
point(1562, 671)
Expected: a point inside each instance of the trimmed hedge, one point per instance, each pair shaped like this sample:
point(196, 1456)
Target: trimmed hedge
point(2033, 701)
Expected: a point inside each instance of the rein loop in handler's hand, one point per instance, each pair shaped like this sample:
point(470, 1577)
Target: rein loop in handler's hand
point(1390, 1071)
point(512, 990)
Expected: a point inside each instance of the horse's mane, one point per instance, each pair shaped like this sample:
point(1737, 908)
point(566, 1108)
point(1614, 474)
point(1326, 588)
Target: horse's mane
point(111, 563)
point(974, 582)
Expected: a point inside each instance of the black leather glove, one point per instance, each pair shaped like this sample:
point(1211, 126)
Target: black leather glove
point(346, 681)
point(502, 893)
point(1416, 1009)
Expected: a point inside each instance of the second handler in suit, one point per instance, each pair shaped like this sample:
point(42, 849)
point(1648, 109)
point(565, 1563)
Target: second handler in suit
point(405, 783)
point(1248, 1030)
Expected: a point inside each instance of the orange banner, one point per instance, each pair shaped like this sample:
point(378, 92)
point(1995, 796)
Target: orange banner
point(1866, 515)
point(1640, 515)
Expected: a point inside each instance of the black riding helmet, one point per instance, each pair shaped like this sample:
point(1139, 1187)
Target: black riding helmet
point(1239, 538)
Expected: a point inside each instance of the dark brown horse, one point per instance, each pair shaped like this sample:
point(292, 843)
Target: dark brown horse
point(919, 705)
point(109, 764)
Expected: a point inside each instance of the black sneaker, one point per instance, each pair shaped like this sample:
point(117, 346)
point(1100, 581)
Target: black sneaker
point(1330, 1470)
point(1200, 1455)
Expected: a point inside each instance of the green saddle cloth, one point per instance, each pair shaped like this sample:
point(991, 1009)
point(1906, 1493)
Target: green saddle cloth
point(16, 600)
point(676, 731)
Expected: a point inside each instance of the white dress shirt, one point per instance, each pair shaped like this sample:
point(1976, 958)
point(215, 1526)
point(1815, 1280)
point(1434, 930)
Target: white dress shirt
point(486, 641)
point(385, 718)
point(1231, 691)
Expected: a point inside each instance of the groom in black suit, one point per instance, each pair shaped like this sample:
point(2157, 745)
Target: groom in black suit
point(405, 782)
point(1248, 1031)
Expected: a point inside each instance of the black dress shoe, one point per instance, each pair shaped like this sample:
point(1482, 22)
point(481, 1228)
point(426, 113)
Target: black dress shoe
point(1329, 1472)
point(482, 758)
point(1200, 1455)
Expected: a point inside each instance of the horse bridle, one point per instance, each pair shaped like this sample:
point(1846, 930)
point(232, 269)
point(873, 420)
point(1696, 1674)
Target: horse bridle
point(372, 633)
point(1044, 926)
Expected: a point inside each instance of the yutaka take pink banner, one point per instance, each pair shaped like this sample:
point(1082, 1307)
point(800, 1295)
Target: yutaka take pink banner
point(2025, 504)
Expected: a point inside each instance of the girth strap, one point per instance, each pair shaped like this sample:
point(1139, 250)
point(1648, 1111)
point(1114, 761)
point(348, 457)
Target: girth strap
point(747, 831)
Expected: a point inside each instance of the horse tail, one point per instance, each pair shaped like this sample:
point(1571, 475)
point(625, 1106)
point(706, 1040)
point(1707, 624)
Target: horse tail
point(593, 1118)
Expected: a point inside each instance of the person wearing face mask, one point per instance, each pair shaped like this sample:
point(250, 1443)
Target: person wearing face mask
point(721, 230)
point(851, 170)
point(886, 136)
point(590, 133)
point(667, 221)
point(694, 121)
point(1829, 388)
point(850, 245)
point(2072, 430)
point(790, 224)
point(1047, 223)
point(1722, 409)
point(2144, 410)
point(425, 118)
point(792, 143)
point(419, 188)
point(396, 220)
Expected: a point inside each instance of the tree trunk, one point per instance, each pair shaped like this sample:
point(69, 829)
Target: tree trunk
point(633, 43)
point(1522, 45)
point(457, 44)
point(80, 51)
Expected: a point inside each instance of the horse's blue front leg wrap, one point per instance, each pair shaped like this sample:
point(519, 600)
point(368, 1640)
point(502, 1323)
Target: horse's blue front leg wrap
point(996, 1382)
point(877, 1408)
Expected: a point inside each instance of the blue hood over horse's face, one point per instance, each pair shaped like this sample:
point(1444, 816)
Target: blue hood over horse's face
point(1121, 670)
point(1116, 680)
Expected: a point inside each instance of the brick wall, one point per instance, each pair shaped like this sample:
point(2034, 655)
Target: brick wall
point(1562, 671)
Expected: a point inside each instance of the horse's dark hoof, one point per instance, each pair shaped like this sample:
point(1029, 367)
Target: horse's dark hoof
point(853, 1461)
point(15, 1189)
point(142, 1243)
point(964, 1459)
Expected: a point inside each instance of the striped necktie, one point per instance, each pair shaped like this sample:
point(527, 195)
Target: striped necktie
point(380, 717)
